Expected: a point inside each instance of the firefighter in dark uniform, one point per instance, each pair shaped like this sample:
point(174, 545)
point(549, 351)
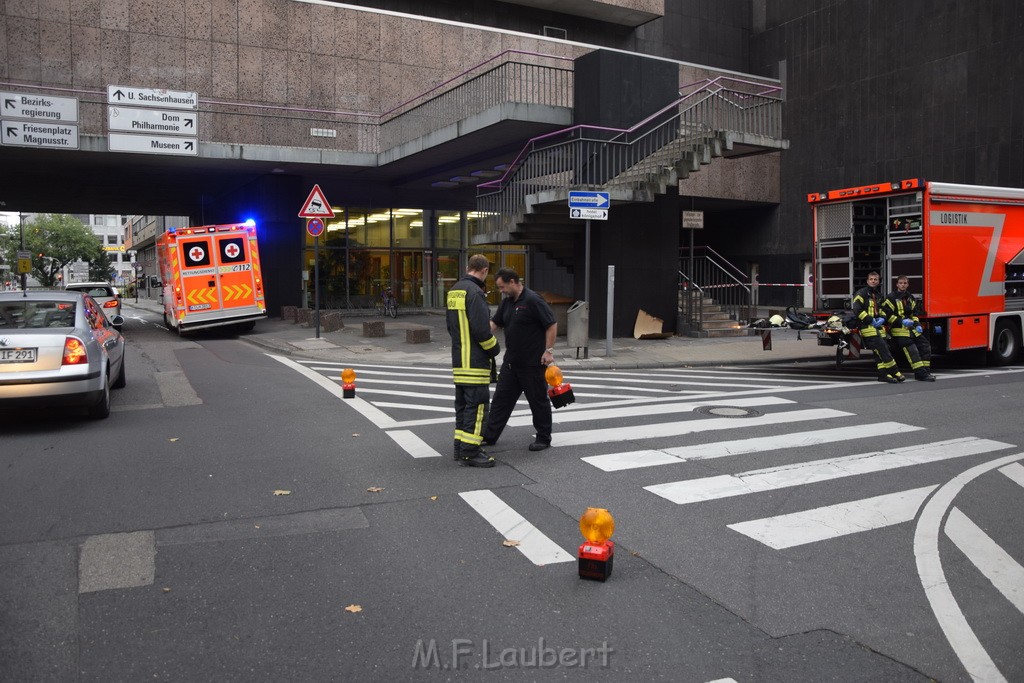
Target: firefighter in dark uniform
point(867, 307)
point(473, 350)
point(901, 310)
point(530, 331)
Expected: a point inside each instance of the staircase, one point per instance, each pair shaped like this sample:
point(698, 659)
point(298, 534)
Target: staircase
point(715, 297)
point(722, 117)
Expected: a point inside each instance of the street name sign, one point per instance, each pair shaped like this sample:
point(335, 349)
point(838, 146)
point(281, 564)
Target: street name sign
point(156, 121)
point(18, 105)
point(589, 214)
point(152, 97)
point(589, 200)
point(35, 134)
point(153, 144)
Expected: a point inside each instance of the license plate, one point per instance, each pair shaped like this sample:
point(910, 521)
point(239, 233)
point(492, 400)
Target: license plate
point(17, 355)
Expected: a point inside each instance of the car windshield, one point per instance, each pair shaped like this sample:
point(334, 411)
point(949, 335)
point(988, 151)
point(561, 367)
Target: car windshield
point(36, 314)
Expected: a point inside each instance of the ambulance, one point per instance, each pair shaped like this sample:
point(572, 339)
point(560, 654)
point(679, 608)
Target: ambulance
point(211, 277)
point(961, 246)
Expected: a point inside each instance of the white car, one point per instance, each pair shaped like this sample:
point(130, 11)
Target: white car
point(107, 296)
point(58, 349)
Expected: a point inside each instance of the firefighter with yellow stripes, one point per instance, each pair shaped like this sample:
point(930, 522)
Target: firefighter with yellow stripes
point(473, 351)
point(901, 311)
point(867, 307)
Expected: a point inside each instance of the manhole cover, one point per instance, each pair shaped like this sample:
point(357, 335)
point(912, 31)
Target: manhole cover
point(727, 411)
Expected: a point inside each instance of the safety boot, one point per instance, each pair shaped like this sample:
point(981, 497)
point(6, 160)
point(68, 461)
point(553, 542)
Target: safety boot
point(476, 458)
point(888, 379)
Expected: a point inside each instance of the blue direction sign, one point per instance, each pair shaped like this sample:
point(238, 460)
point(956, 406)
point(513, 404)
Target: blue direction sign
point(589, 200)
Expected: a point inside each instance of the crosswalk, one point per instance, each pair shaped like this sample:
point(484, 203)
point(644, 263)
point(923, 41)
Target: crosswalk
point(650, 424)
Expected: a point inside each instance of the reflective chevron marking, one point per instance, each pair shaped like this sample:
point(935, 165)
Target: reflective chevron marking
point(612, 462)
point(654, 431)
point(773, 478)
point(533, 544)
point(412, 444)
point(991, 560)
point(832, 521)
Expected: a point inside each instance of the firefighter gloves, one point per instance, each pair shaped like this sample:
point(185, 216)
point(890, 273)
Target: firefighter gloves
point(908, 323)
point(918, 329)
point(877, 323)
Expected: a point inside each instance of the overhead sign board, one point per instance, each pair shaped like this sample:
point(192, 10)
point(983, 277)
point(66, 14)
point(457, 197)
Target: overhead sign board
point(589, 200)
point(693, 219)
point(35, 134)
point(589, 214)
point(19, 105)
point(152, 97)
point(156, 121)
point(153, 144)
point(316, 205)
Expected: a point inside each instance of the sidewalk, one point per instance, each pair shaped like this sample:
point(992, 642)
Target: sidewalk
point(348, 344)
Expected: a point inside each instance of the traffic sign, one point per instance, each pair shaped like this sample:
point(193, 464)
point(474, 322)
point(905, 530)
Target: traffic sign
point(33, 134)
point(315, 227)
point(589, 214)
point(157, 121)
point(46, 108)
point(693, 219)
point(316, 205)
point(24, 261)
point(152, 97)
point(589, 200)
point(152, 144)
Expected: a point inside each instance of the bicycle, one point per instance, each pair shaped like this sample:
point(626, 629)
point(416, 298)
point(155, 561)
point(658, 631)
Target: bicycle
point(387, 304)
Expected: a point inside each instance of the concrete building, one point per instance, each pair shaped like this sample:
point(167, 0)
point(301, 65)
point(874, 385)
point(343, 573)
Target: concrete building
point(400, 111)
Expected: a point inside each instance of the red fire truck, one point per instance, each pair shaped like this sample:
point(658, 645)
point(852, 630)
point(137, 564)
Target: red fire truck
point(211, 277)
point(961, 246)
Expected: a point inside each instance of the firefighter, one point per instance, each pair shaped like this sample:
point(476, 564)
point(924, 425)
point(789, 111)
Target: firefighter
point(473, 350)
point(901, 310)
point(867, 307)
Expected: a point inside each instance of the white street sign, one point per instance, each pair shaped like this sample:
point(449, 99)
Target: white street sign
point(693, 219)
point(589, 214)
point(151, 121)
point(47, 108)
point(33, 134)
point(152, 97)
point(153, 144)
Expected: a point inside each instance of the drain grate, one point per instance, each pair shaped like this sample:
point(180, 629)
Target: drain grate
point(727, 411)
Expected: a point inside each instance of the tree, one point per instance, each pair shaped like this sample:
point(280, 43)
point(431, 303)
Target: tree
point(100, 267)
point(55, 240)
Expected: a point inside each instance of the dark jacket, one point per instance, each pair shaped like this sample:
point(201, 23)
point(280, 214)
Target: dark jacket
point(899, 306)
point(473, 345)
point(867, 305)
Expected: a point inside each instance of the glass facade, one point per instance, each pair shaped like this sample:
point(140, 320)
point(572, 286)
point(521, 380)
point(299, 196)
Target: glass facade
point(418, 253)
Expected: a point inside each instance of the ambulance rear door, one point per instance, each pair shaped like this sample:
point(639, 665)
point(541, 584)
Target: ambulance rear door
point(237, 268)
point(198, 273)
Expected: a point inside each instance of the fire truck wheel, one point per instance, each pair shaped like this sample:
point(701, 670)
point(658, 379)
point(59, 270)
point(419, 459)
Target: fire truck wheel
point(1005, 344)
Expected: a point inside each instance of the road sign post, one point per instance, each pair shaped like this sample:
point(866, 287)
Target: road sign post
point(315, 208)
point(588, 205)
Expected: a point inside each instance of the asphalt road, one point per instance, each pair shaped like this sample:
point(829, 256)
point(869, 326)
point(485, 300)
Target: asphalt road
point(234, 519)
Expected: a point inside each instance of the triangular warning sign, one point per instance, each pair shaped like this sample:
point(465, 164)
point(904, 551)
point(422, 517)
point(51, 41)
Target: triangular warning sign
point(316, 205)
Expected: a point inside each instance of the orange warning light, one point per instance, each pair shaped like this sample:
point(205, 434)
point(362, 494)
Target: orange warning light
point(560, 394)
point(553, 375)
point(348, 383)
point(596, 555)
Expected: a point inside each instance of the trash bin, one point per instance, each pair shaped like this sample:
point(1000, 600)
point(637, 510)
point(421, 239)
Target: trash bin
point(578, 325)
point(559, 306)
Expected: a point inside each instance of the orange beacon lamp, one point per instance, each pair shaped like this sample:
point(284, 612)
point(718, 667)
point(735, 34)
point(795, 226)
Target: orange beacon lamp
point(597, 553)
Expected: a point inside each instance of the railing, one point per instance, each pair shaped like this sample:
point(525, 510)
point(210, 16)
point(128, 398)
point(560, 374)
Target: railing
point(595, 157)
point(691, 308)
point(514, 76)
point(718, 280)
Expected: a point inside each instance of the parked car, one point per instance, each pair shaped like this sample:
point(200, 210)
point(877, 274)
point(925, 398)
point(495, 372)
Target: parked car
point(107, 296)
point(58, 349)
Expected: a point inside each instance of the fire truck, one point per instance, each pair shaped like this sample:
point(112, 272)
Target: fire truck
point(211, 276)
point(961, 246)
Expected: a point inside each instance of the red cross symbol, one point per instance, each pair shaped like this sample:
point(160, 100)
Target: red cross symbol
point(196, 253)
point(232, 250)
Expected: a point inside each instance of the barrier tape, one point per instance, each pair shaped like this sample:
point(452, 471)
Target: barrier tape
point(735, 284)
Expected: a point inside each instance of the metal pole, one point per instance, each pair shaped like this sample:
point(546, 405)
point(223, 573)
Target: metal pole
point(611, 310)
point(24, 276)
point(586, 264)
point(316, 283)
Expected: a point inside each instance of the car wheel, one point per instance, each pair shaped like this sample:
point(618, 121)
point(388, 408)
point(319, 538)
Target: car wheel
point(1005, 344)
point(101, 409)
point(121, 380)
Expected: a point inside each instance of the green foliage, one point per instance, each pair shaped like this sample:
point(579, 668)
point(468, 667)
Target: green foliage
point(101, 268)
point(55, 240)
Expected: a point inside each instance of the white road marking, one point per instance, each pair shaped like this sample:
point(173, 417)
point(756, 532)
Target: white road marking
point(372, 414)
point(409, 406)
point(412, 444)
point(961, 637)
point(533, 544)
point(665, 429)
point(832, 521)
point(773, 478)
point(991, 560)
point(612, 462)
point(1015, 472)
point(632, 411)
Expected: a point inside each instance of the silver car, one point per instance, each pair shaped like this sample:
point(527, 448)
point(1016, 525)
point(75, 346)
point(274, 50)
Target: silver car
point(58, 349)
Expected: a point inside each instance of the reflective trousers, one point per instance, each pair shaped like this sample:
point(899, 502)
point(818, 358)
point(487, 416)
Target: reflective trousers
point(471, 403)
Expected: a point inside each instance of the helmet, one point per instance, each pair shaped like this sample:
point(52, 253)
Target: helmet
point(777, 321)
point(797, 320)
